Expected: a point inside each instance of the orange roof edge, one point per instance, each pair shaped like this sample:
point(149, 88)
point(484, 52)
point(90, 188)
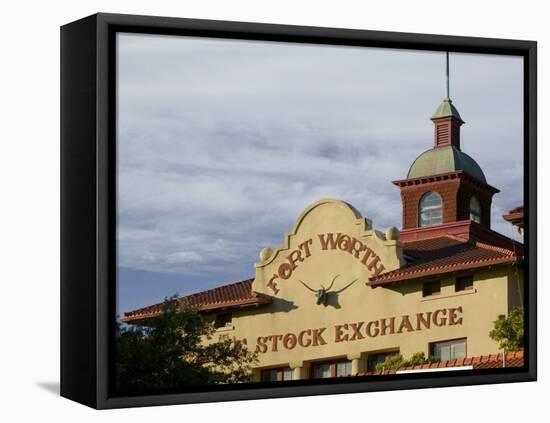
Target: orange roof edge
point(234, 295)
point(492, 361)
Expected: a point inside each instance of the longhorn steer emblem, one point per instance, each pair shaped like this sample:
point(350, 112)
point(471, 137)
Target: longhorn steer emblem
point(322, 293)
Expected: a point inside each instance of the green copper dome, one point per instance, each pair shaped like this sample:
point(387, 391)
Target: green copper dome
point(446, 109)
point(443, 160)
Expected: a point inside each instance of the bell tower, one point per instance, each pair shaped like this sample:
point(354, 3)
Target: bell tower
point(447, 120)
point(444, 185)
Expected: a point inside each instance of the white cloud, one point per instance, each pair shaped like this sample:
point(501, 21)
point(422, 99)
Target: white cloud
point(221, 144)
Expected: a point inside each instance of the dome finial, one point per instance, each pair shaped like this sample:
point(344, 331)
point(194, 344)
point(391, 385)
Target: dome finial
point(447, 96)
point(446, 108)
point(446, 118)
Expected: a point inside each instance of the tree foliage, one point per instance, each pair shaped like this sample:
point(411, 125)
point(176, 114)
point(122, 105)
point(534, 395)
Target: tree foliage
point(172, 352)
point(508, 330)
point(396, 361)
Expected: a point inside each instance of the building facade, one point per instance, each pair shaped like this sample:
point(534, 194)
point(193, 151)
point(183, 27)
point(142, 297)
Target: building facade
point(339, 297)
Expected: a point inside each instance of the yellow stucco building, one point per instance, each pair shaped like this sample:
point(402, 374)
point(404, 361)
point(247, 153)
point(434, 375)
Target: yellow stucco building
point(338, 297)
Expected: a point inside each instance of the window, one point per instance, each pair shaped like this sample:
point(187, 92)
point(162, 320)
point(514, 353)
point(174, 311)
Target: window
point(430, 210)
point(287, 373)
point(374, 359)
point(343, 368)
point(332, 369)
point(464, 283)
point(223, 320)
point(277, 375)
point(448, 350)
point(475, 210)
point(431, 288)
point(321, 371)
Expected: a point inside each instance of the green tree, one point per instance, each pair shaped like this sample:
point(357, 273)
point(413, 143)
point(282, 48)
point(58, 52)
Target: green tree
point(171, 352)
point(508, 330)
point(396, 361)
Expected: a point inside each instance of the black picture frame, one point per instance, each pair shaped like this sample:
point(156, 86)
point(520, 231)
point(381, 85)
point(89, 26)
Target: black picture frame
point(88, 260)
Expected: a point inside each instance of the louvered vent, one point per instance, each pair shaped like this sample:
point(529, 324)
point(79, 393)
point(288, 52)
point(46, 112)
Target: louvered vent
point(442, 135)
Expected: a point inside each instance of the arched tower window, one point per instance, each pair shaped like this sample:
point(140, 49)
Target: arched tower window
point(430, 209)
point(475, 210)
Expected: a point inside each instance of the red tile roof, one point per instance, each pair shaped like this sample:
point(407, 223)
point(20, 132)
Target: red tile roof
point(425, 257)
point(493, 361)
point(447, 254)
point(515, 215)
point(237, 294)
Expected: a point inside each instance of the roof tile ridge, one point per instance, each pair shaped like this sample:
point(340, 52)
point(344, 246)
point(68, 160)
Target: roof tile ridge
point(456, 238)
point(147, 309)
point(218, 288)
point(387, 275)
point(432, 238)
point(491, 247)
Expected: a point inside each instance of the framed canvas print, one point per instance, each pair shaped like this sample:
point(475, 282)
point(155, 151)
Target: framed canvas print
point(259, 211)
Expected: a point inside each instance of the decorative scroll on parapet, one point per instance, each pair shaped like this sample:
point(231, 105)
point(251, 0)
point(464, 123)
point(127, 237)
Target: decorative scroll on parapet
point(329, 238)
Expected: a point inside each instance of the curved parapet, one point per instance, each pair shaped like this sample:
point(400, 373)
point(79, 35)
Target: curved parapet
point(330, 237)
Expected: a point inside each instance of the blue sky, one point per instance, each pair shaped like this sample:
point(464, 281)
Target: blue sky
point(222, 143)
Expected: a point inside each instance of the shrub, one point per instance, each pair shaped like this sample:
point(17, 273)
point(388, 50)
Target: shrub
point(397, 361)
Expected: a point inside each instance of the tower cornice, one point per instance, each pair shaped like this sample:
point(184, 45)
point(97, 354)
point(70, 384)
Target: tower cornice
point(459, 174)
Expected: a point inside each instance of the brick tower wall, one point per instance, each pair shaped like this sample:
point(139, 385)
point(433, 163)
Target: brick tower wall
point(411, 195)
point(455, 195)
